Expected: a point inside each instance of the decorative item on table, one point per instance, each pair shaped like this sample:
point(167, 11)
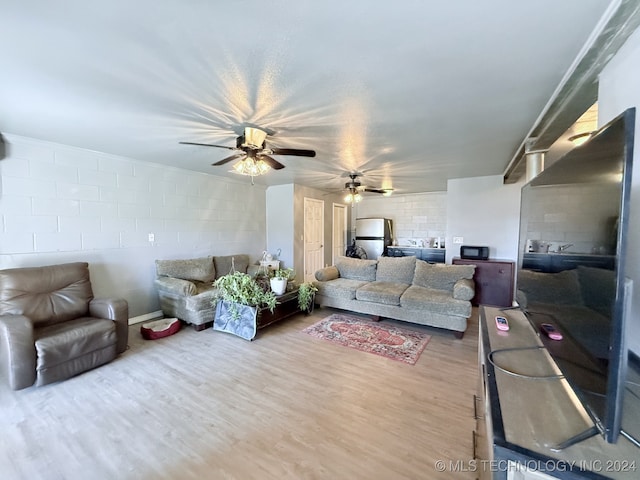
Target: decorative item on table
point(279, 280)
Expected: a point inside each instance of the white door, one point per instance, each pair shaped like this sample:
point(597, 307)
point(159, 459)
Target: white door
point(339, 237)
point(313, 237)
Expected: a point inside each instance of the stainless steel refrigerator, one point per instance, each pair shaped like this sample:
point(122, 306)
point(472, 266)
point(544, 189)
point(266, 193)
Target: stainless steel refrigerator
point(374, 235)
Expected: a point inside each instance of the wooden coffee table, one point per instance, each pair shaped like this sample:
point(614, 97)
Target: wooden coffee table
point(287, 305)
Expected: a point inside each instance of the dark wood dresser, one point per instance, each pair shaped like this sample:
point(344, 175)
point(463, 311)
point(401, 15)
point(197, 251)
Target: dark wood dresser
point(494, 281)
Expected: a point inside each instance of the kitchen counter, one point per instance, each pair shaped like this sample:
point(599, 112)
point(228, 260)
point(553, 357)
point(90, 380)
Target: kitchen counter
point(557, 262)
point(433, 255)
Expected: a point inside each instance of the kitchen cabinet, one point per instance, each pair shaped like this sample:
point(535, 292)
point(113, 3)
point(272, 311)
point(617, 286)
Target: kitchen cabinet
point(433, 255)
point(493, 281)
point(557, 262)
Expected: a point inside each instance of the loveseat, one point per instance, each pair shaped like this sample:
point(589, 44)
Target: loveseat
point(579, 301)
point(185, 287)
point(401, 288)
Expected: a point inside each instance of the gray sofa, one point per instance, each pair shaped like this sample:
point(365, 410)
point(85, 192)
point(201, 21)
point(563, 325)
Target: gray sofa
point(579, 300)
point(185, 287)
point(401, 288)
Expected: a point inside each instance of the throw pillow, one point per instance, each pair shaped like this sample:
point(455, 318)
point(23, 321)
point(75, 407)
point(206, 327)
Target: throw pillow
point(357, 268)
point(199, 269)
point(223, 264)
point(560, 288)
point(396, 269)
point(441, 276)
point(327, 273)
point(598, 288)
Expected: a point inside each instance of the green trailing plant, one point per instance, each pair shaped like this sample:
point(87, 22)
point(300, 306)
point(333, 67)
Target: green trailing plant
point(284, 273)
point(306, 292)
point(240, 288)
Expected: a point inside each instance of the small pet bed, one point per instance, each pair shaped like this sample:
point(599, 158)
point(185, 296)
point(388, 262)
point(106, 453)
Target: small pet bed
point(159, 328)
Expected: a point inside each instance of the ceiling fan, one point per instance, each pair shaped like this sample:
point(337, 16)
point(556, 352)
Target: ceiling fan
point(354, 187)
point(251, 146)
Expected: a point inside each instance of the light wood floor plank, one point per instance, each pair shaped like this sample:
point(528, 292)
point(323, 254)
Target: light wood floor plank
point(285, 406)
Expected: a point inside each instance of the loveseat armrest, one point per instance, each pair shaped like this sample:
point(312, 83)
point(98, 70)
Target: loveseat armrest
point(327, 273)
point(116, 309)
point(18, 351)
point(176, 286)
point(464, 289)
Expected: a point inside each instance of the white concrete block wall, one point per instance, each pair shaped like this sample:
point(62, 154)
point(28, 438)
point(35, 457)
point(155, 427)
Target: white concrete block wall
point(62, 204)
point(415, 216)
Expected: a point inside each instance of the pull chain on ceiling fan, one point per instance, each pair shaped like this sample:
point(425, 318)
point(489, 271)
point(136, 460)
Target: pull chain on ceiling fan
point(254, 156)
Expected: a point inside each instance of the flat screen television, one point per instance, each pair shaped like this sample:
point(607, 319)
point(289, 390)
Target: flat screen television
point(573, 237)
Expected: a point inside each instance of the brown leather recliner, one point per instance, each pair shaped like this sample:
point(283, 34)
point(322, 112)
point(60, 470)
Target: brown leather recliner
point(51, 327)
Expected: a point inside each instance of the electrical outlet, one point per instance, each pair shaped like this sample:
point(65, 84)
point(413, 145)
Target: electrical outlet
point(458, 240)
point(152, 237)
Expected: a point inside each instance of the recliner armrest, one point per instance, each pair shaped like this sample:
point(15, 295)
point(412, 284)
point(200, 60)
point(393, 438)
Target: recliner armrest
point(176, 286)
point(116, 309)
point(18, 350)
point(464, 289)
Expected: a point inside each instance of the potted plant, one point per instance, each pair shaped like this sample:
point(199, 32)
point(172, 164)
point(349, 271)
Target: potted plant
point(238, 299)
point(306, 294)
point(279, 280)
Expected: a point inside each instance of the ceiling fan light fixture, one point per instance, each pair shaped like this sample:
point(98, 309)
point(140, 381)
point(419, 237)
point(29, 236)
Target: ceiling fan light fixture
point(352, 197)
point(387, 192)
point(254, 137)
point(252, 167)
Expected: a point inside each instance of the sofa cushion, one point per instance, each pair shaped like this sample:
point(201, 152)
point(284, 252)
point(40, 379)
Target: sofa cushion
point(344, 288)
point(223, 264)
point(357, 268)
point(434, 300)
point(598, 288)
point(387, 293)
point(201, 269)
point(396, 269)
point(560, 288)
point(327, 273)
point(202, 300)
point(441, 276)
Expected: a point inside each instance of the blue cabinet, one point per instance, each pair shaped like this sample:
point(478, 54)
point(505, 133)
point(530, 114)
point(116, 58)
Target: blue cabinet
point(557, 262)
point(432, 255)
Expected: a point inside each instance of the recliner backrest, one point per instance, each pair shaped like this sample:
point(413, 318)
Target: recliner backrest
point(46, 295)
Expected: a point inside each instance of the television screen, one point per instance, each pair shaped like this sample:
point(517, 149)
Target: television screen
point(573, 228)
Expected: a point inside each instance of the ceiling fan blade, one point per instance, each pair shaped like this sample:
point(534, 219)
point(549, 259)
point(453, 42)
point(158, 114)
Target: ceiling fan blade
point(384, 191)
point(208, 145)
point(272, 162)
point(293, 151)
point(228, 159)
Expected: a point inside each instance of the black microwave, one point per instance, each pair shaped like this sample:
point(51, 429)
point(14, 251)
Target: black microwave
point(474, 253)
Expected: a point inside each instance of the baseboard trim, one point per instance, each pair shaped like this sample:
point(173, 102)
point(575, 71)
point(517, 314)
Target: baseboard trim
point(145, 317)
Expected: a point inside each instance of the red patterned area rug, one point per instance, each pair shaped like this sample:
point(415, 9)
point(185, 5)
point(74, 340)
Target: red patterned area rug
point(388, 341)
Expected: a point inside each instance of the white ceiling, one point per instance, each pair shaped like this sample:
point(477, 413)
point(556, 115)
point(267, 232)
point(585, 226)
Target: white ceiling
point(412, 93)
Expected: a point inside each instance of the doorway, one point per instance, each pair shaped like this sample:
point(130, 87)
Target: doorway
point(339, 236)
point(313, 237)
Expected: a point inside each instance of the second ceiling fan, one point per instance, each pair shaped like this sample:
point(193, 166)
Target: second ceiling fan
point(354, 187)
point(251, 145)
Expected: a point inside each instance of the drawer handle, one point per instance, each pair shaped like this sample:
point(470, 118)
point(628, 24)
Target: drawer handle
point(475, 408)
point(473, 442)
